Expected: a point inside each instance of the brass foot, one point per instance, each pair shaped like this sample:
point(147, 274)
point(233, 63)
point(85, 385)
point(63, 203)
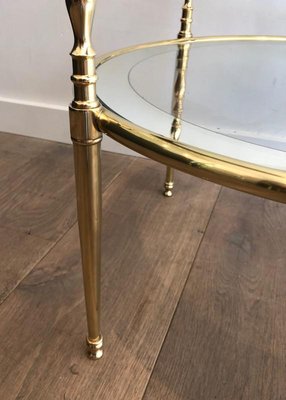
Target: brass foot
point(168, 189)
point(168, 193)
point(95, 348)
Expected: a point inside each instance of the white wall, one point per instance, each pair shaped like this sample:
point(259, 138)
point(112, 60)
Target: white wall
point(36, 38)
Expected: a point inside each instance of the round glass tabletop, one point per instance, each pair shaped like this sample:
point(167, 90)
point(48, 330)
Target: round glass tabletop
point(225, 97)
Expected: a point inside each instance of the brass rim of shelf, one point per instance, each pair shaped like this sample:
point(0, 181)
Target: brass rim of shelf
point(203, 39)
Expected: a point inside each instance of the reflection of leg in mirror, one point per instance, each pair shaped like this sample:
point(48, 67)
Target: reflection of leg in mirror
point(179, 86)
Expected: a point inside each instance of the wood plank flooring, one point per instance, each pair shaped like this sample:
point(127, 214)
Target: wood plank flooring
point(37, 201)
point(193, 287)
point(228, 333)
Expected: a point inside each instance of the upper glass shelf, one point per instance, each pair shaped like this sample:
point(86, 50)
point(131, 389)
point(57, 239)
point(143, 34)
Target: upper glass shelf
point(227, 97)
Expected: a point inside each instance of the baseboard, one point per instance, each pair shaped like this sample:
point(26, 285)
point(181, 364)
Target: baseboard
point(44, 121)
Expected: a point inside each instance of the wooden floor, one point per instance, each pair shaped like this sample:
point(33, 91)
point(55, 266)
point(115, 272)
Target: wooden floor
point(193, 287)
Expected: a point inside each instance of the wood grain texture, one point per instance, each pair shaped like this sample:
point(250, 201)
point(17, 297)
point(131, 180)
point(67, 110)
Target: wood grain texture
point(227, 339)
point(16, 151)
point(37, 201)
point(25, 146)
point(42, 200)
point(19, 253)
point(146, 260)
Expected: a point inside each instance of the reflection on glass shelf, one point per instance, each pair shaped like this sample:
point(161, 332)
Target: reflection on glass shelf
point(237, 89)
point(234, 96)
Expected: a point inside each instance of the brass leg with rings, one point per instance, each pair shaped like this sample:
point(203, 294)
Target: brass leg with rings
point(86, 139)
point(179, 87)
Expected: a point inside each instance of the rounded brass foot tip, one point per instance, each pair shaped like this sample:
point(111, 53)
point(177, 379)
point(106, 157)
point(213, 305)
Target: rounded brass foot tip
point(95, 348)
point(168, 193)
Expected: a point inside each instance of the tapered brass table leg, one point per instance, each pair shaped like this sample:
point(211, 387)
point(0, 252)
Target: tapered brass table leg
point(88, 183)
point(179, 87)
point(86, 137)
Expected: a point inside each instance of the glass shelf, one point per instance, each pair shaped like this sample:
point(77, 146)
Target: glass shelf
point(232, 95)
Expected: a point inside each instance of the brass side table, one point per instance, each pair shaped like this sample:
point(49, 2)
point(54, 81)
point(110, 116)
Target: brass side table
point(213, 107)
